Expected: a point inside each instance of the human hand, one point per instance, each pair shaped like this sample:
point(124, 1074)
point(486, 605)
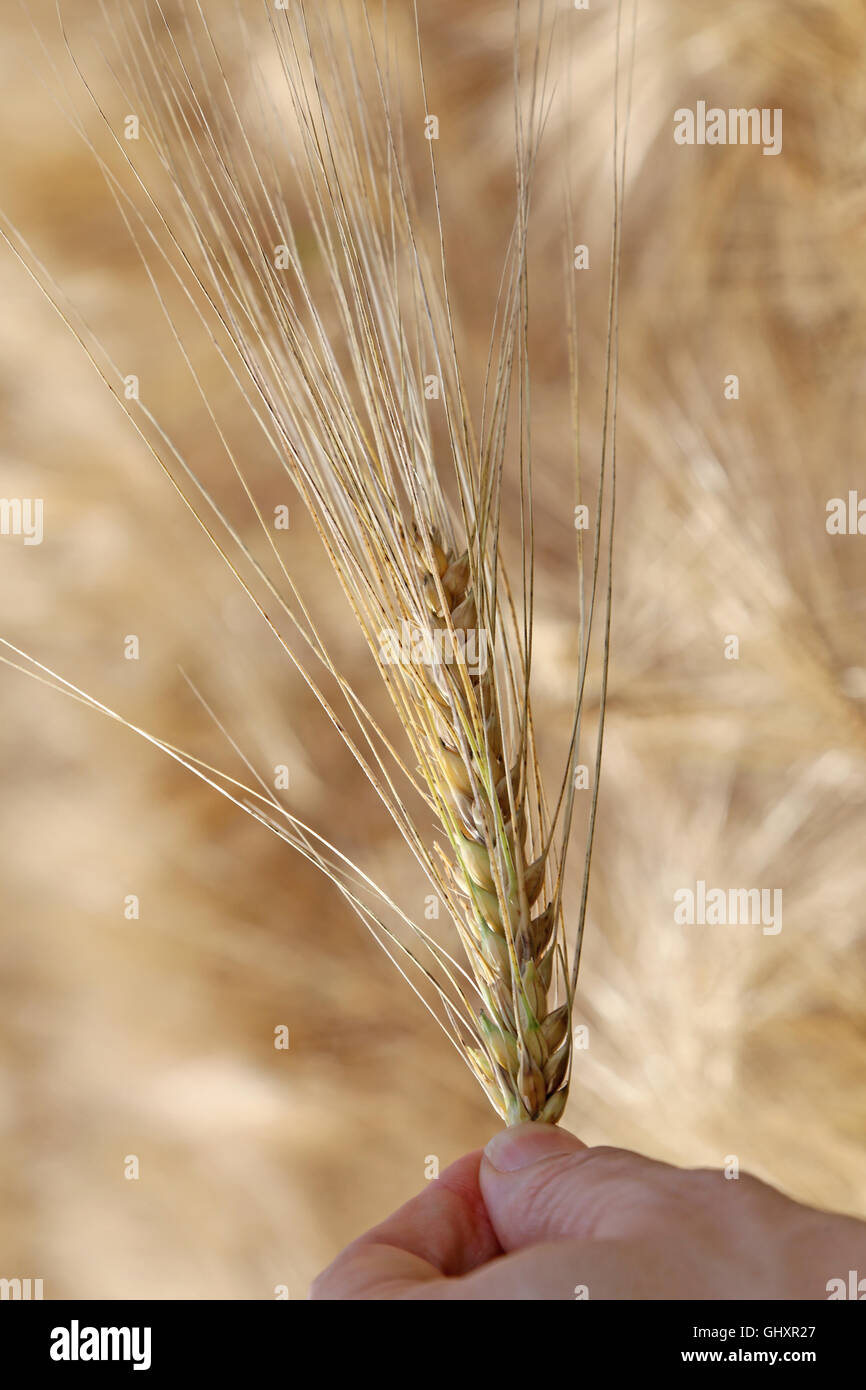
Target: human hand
point(538, 1215)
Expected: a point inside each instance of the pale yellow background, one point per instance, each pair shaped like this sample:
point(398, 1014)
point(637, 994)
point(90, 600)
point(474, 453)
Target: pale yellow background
point(154, 1037)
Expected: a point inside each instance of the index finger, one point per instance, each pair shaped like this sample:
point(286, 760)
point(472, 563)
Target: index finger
point(443, 1232)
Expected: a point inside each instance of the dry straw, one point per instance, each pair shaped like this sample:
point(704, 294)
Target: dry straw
point(245, 176)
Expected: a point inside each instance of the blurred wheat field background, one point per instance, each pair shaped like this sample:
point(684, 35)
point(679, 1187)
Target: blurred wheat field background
point(156, 1037)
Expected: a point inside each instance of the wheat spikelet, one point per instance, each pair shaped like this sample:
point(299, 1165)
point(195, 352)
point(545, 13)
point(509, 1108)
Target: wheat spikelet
point(332, 368)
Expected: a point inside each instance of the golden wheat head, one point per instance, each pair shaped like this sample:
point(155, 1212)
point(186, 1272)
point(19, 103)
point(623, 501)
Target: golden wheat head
point(274, 203)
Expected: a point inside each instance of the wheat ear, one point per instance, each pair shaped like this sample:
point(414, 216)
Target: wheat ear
point(415, 539)
point(524, 1057)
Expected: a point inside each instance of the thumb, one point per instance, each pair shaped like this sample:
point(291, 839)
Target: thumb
point(541, 1183)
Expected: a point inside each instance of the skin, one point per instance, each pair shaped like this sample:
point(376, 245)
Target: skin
point(538, 1215)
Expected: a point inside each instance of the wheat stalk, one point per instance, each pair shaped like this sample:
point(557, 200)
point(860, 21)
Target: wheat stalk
point(416, 540)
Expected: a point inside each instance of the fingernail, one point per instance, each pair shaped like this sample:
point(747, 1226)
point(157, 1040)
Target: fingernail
point(512, 1149)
